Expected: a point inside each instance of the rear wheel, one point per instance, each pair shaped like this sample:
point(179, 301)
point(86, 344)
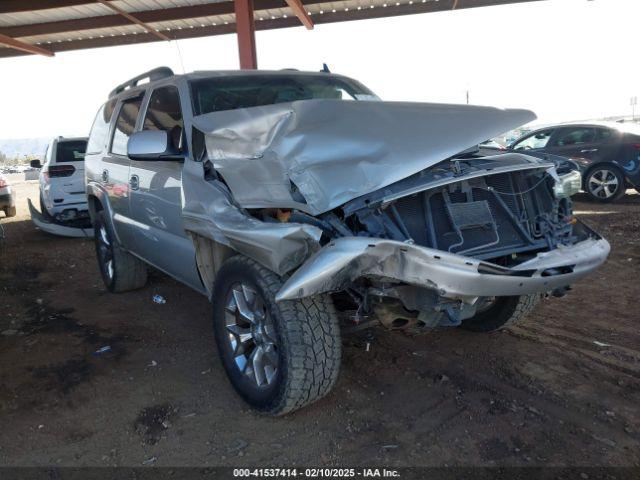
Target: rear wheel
point(281, 356)
point(495, 313)
point(10, 212)
point(120, 270)
point(605, 183)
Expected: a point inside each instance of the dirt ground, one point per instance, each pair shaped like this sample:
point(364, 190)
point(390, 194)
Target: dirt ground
point(561, 389)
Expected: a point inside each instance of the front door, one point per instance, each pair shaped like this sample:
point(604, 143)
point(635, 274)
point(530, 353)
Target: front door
point(156, 195)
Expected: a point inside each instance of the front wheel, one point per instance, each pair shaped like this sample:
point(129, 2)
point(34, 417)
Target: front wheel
point(495, 313)
point(281, 356)
point(605, 183)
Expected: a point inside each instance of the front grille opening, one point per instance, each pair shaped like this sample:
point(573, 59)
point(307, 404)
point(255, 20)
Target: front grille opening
point(484, 218)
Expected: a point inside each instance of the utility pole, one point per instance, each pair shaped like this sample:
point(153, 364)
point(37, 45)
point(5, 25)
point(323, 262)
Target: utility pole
point(634, 102)
point(467, 97)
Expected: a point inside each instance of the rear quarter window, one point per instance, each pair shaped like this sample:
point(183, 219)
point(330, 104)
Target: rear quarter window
point(100, 128)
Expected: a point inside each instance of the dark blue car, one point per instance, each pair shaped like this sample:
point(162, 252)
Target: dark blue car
point(607, 153)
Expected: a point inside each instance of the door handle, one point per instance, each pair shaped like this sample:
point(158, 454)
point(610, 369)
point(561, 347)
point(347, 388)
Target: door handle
point(134, 182)
point(105, 176)
point(589, 150)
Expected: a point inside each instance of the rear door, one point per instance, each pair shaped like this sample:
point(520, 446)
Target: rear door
point(156, 194)
point(577, 142)
point(115, 168)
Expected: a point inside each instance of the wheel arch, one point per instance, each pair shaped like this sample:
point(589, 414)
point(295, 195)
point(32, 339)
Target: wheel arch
point(98, 200)
point(603, 163)
point(210, 255)
point(613, 167)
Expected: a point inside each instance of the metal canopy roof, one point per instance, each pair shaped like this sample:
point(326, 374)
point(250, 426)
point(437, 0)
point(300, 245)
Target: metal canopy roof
point(47, 26)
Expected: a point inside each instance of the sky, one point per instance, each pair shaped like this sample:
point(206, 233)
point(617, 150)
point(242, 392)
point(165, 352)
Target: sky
point(563, 59)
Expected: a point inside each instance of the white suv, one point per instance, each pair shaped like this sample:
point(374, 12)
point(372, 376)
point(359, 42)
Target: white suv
point(62, 193)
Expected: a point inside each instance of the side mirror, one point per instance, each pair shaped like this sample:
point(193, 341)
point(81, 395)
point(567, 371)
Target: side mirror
point(35, 163)
point(151, 145)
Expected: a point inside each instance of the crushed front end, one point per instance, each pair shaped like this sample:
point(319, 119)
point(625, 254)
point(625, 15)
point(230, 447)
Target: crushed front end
point(374, 203)
point(429, 250)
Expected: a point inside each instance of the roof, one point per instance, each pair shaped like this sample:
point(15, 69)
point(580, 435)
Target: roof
point(622, 126)
point(159, 74)
point(45, 26)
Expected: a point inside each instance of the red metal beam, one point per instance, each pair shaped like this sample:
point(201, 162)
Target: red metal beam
point(246, 34)
point(267, 24)
point(13, 6)
point(197, 11)
point(106, 21)
point(133, 19)
point(301, 13)
point(24, 47)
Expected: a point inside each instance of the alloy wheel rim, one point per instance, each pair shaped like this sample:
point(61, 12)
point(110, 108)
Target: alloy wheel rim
point(603, 184)
point(251, 335)
point(105, 250)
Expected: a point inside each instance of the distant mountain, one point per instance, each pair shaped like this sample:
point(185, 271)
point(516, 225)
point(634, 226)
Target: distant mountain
point(24, 146)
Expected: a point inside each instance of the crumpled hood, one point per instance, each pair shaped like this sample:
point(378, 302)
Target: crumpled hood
point(315, 155)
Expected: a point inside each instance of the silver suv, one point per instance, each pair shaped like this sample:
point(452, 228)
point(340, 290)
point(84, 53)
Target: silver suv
point(299, 203)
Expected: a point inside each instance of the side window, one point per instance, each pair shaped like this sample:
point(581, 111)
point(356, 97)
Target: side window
point(125, 124)
point(164, 113)
point(605, 134)
point(568, 137)
point(100, 128)
point(537, 140)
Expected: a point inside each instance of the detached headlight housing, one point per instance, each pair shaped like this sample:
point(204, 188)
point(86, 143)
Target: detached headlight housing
point(568, 184)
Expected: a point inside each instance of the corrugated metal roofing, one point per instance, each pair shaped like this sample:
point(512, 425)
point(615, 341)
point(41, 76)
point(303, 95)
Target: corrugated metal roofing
point(78, 24)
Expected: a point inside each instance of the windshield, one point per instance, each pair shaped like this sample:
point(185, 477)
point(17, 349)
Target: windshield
point(230, 93)
point(71, 151)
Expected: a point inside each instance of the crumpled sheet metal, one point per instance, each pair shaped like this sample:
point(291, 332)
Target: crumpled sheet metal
point(334, 150)
point(453, 276)
point(209, 211)
point(55, 228)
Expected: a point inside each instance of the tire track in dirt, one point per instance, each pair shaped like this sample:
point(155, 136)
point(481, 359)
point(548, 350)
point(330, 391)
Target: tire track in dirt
point(572, 346)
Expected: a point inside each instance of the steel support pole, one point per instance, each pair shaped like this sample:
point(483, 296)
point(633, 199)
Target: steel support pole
point(246, 34)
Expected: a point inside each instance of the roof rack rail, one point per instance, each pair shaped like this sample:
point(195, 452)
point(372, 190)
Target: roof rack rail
point(152, 75)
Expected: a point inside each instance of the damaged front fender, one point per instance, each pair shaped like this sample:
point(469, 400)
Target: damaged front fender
point(210, 212)
point(452, 276)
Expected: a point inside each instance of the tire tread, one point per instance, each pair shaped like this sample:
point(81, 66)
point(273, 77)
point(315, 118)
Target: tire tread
point(310, 332)
point(130, 271)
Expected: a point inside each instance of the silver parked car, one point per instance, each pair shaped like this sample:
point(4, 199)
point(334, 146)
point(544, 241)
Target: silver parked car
point(298, 202)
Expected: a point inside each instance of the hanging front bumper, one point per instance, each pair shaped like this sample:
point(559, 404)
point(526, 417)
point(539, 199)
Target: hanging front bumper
point(453, 276)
